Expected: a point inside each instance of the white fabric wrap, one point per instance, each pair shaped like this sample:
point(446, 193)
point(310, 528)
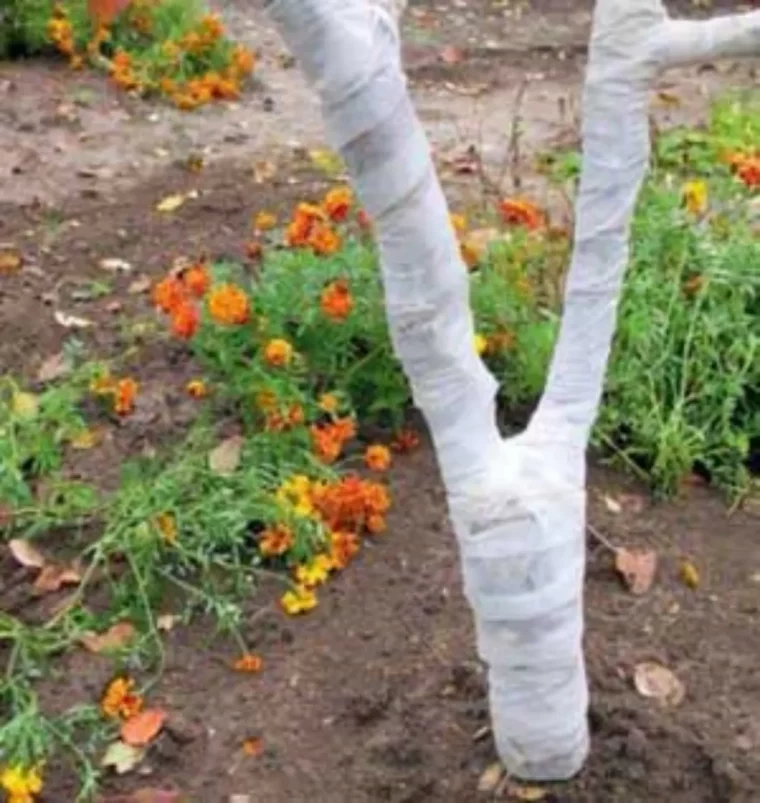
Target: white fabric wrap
point(518, 506)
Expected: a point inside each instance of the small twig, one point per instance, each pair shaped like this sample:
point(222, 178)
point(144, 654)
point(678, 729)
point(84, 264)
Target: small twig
point(602, 539)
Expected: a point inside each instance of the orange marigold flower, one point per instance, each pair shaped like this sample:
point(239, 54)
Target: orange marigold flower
point(254, 250)
point(299, 600)
point(276, 541)
point(521, 212)
point(336, 301)
point(327, 446)
point(212, 26)
point(337, 203)
point(266, 400)
point(264, 221)
point(405, 440)
point(197, 280)
point(501, 341)
point(364, 220)
point(278, 352)
point(120, 700)
point(343, 547)
point(345, 428)
point(228, 305)
point(470, 255)
point(242, 61)
point(196, 388)
point(376, 524)
point(302, 223)
point(168, 294)
point(378, 457)
point(248, 663)
point(323, 240)
point(296, 415)
point(459, 224)
point(749, 171)
point(185, 320)
point(124, 400)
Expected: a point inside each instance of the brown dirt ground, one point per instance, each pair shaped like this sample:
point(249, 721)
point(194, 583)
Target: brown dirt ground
point(377, 695)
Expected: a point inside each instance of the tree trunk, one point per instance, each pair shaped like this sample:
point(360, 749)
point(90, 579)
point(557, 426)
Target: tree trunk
point(518, 506)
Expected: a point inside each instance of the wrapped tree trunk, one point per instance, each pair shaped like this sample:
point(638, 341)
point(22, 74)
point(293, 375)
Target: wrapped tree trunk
point(518, 506)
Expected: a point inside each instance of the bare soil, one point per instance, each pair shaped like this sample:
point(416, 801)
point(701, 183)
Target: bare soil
point(377, 695)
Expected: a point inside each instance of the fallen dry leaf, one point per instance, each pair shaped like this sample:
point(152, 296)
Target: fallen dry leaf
point(637, 569)
point(116, 637)
point(26, 554)
point(71, 321)
point(633, 503)
point(166, 622)
point(171, 203)
point(140, 285)
point(528, 794)
point(53, 368)
point(122, 757)
point(86, 439)
point(657, 682)
point(451, 54)
point(10, 261)
point(53, 577)
point(225, 458)
point(142, 728)
point(24, 405)
point(612, 505)
point(689, 574)
point(253, 747)
point(115, 265)
point(264, 171)
point(491, 778)
point(148, 795)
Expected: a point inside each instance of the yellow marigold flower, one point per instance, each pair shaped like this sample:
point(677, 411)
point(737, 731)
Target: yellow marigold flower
point(296, 494)
point(196, 388)
point(264, 221)
point(315, 572)
point(378, 457)
point(343, 547)
point(167, 526)
point(299, 600)
point(278, 352)
point(329, 403)
point(21, 784)
point(459, 224)
point(120, 700)
point(228, 305)
point(480, 343)
point(323, 240)
point(695, 197)
point(276, 541)
point(337, 203)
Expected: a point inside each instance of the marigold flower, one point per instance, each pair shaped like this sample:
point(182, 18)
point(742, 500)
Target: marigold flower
point(336, 301)
point(405, 440)
point(500, 341)
point(459, 224)
point(242, 61)
point(21, 784)
point(185, 321)
point(337, 203)
point(266, 400)
point(125, 394)
point(264, 221)
point(168, 294)
point(480, 344)
point(364, 220)
point(328, 439)
point(196, 279)
point(323, 240)
point(276, 541)
point(343, 547)
point(695, 197)
point(749, 171)
point(521, 212)
point(470, 255)
point(295, 494)
point(254, 249)
point(120, 700)
point(167, 526)
point(196, 388)
point(278, 352)
point(299, 600)
point(228, 305)
point(302, 223)
point(315, 572)
point(376, 524)
point(378, 457)
point(296, 415)
point(329, 403)
point(212, 26)
point(248, 663)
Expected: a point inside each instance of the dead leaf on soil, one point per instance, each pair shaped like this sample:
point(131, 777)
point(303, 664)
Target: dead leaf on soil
point(637, 569)
point(26, 554)
point(166, 622)
point(115, 265)
point(71, 321)
point(171, 203)
point(612, 505)
point(24, 405)
point(451, 54)
point(657, 682)
point(225, 458)
point(491, 778)
point(264, 171)
point(10, 261)
point(689, 574)
point(528, 794)
point(142, 728)
point(53, 578)
point(86, 439)
point(116, 637)
point(253, 747)
point(148, 795)
point(53, 368)
point(140, 285)
point(122, 757)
